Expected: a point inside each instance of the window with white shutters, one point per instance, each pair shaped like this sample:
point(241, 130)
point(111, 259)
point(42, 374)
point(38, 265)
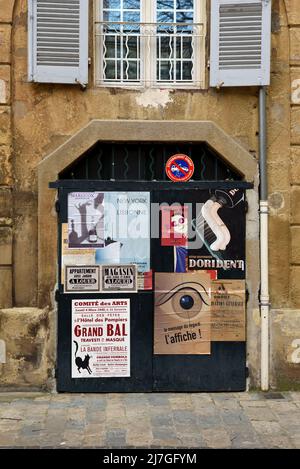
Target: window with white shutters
point(240, 42)
point(149, 43)
point(58, 41)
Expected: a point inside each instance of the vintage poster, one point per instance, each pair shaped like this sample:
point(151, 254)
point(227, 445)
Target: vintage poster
point(228, 311)
point(219, 224)
point(174, 225)
point(119, 278)
point(215, 232)
point(182, 314)
point(73, 256)
point(86, 219)
point(84, 278)
point(100, 338)
point(127, 233)
point(145, 280)
point(112, 227)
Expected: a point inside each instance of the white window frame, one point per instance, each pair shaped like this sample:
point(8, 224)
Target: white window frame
point(148, 62)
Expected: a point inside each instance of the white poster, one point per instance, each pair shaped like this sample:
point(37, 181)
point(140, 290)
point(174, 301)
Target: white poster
point(84, 278)
point(100, 338)
point(119, 278)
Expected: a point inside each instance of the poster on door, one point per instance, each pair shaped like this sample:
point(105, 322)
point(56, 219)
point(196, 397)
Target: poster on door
point(86, 219)
point(207, 232)
point(228, 311)
point(119, 278)
point(174, 225)
point(115, 227)
point(100, 338)
point(182, 314)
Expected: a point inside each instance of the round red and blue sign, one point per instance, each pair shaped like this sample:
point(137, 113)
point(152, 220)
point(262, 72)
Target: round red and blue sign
point(180, 168)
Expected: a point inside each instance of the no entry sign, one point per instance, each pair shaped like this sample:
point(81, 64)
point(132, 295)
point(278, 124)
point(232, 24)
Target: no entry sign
point(180, 168)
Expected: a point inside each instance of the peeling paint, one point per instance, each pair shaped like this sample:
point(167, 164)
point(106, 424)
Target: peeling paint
point(154, 98)
point(2, 352)
point(256, 316)
point(276, 201)
point(295, 357)
point(2, 92)
point(296, 91)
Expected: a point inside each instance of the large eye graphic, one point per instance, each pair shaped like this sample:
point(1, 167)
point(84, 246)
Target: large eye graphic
point(185, 300)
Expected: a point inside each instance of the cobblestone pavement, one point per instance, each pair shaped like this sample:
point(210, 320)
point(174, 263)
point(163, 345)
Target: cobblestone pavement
point(235, 420)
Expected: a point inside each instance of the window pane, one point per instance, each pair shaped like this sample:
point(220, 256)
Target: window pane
point(131, 17)
point(165, 47)
point(112, 70)
point(184, 17)
point(165, 17)
point(165, 4)
point(111, 47)
point(165, 70)
point(131, 4)
point(130, 47)
point(184, 48)
point(130, 70)
point(111, 16)
point(187, 70)
point(184, 4)
point(112, 4)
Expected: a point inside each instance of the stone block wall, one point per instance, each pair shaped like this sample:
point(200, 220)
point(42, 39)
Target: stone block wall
point(27, 338)
point(36, 119)
point(293, 12)
point(6, 204)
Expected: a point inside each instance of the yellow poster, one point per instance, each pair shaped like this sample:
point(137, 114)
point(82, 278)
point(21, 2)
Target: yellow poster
point(228, 311)
point(182, 314)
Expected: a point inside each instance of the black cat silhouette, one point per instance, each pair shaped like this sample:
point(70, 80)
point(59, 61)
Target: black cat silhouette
point(84, 364)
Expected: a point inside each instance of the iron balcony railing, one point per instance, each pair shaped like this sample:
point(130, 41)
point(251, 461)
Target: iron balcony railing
point(149, 52)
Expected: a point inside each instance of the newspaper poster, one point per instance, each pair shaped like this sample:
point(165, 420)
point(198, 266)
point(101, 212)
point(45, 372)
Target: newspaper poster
point(182, 314)
point(83, 278)
point(119, 278)
point(100, 338)
point(228, 311)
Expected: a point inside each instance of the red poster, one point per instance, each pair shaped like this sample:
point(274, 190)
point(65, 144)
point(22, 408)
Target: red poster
point(174, 226)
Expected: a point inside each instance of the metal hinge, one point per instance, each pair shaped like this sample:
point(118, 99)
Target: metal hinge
point(246, 206)
point(247, 372)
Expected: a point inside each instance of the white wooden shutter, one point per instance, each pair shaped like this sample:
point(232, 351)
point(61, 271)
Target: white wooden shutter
point(58, 41)
point(240, 42)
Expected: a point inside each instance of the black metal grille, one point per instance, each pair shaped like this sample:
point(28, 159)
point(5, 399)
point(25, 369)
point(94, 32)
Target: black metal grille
point(146, 162)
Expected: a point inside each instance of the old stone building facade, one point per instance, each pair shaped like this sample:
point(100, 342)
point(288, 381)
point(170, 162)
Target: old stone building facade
point(44, 128)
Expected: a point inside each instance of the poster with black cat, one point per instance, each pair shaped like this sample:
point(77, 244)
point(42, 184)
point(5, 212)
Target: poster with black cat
point(100, 338)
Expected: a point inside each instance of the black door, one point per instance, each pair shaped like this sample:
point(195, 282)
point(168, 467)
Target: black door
point(224, 368)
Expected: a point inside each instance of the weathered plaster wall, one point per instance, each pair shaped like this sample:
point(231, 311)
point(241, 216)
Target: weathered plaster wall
point(285, 350)
point(36, 118)
point(6, 9)
point(29, 337)
point(44, 116)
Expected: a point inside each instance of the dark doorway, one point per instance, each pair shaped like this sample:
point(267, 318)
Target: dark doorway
point(116, 167)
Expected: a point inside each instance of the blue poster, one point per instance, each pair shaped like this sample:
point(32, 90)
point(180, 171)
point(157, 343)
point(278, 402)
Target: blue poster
point(126, 230)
